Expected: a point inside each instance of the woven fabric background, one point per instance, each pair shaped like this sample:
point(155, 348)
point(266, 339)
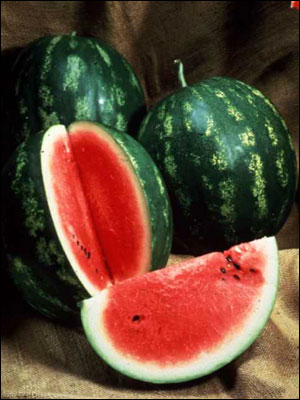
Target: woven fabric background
point(255, 41)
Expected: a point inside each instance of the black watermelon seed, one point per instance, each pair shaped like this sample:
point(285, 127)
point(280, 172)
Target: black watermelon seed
point(253, 270)
point(135, 318)
point(223, 270)
point(88, 254)
point(229, 259)
point(77, 243)
point(237, 266)
point(236, 277)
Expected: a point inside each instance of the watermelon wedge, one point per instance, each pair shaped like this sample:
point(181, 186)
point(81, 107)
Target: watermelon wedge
point(189, 319)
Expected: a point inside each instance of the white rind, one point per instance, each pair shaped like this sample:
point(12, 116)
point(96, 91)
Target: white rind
point(233, 346)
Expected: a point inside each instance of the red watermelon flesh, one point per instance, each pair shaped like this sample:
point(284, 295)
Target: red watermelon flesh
point(96, 204)
point(186, 320)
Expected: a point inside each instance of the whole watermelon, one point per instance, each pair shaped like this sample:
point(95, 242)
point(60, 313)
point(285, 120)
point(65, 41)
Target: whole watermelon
point(61, 79)
point(228, 162)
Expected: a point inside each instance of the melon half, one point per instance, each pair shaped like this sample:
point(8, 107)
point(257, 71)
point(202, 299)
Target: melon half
point(189, 319)
point(86, 208)
point(97, 205)
point(105, 215)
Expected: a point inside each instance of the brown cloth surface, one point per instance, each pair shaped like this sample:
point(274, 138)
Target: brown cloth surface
point(255, 41)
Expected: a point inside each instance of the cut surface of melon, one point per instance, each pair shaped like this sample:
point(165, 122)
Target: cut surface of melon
point(187, 320)
point(97, 205)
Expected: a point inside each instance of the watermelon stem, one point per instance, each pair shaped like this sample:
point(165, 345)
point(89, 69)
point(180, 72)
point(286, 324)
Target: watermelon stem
point(180, 73)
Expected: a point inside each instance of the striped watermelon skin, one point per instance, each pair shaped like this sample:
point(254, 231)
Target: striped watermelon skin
point(37, 262)
point(61, 79)
point(228, 161)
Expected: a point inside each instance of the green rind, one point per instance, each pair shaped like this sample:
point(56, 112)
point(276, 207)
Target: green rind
point(37, 262)
point(61, 79)
point(96, 345)
point(228, 162)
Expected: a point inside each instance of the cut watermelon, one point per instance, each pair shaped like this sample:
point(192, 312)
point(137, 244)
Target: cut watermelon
point(97, 205)
point(86, 207)
point(187, 320)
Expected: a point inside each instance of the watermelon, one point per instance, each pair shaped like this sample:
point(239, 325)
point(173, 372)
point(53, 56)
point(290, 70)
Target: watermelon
point(86, 208)
point(61, 79)
point(228, 162)
point(187, 320)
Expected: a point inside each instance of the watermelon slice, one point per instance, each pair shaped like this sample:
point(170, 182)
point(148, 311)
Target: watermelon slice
point(189, 319)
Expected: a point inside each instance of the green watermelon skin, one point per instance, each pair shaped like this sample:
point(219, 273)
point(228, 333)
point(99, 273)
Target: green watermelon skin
point(37, 262)
point(61, 79)
point(228, 161)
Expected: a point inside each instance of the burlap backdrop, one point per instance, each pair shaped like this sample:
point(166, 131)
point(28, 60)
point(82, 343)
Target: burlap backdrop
point(255, 41)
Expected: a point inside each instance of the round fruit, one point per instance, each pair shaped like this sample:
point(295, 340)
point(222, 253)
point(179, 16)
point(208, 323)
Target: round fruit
point(228, 161)
point(85, 208)
point(61, 79)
